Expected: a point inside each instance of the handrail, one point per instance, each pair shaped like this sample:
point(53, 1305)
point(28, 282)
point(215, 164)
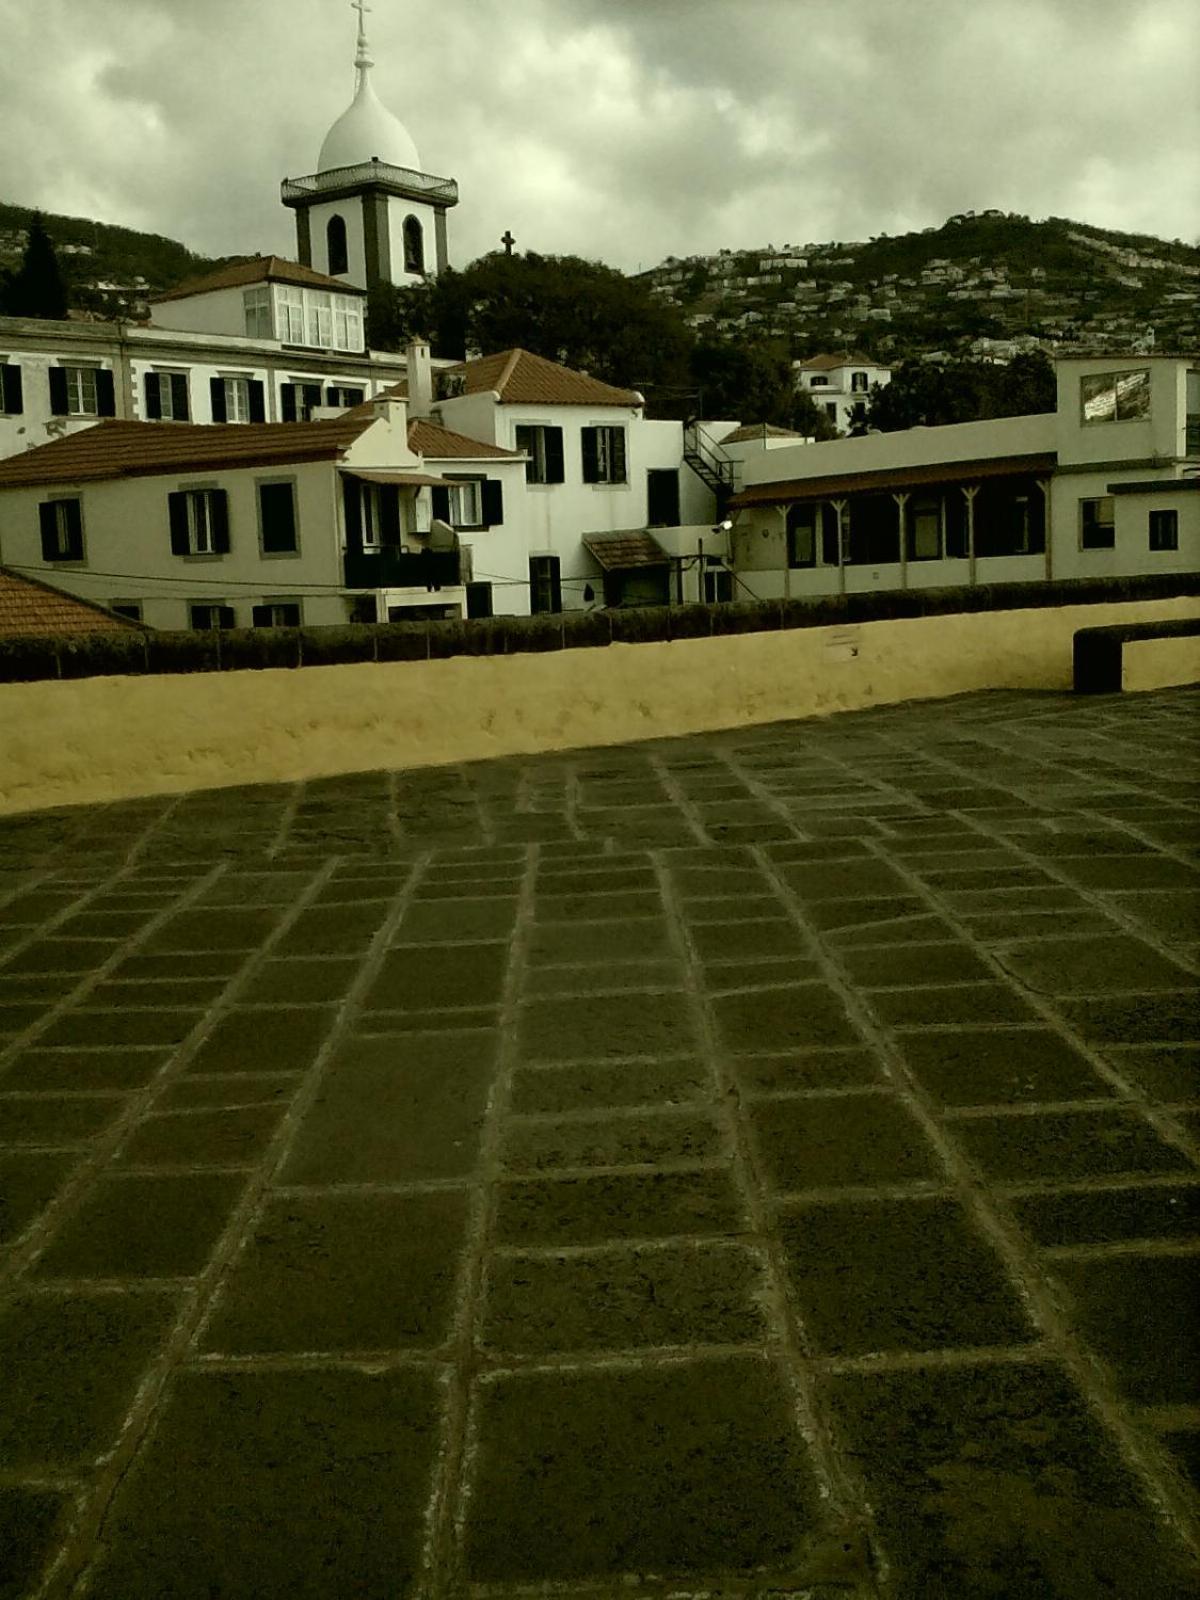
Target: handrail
point(422, 183)
point(694, 443)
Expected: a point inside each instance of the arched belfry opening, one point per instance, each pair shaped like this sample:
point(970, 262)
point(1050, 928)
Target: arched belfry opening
point(414, 245)
point(335, 246)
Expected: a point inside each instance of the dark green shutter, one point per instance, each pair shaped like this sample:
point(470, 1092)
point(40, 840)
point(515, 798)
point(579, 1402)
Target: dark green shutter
point(48, 518)
point(74, 520)
point(312, 397)
point(218, 511)
point(354, 397)
point(12, 401)
point(216, 390)
point(258, 406)
point(153, 397)
point(389, 513)
point(260, 617)
point(554, 455)
point(287, 396)
point(493, 502)
point(617, 459)
point(589, 438)
point(278, 508)
point(556, 583)
point(59, 405)
point(441, 503)
point(177, 510)
point(226, 617)
point(179, 397)
point(106, 393)
point(352, 509)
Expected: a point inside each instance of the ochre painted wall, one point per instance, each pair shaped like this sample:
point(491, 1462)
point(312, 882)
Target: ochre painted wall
point(99, 739)
point(1160, 663)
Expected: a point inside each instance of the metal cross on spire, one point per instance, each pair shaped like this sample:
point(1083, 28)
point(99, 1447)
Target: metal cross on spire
point(363, 56)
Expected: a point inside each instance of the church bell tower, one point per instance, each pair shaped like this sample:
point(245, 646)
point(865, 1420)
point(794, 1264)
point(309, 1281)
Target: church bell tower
point(369, 214)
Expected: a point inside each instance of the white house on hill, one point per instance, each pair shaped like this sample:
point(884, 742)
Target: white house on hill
point(840, 385)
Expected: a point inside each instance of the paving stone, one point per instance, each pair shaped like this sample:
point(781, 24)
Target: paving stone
point(184, 1094)
point(999, 927)
point(646, 1139)
point(1167, 1072)
point(120, 1028)
point(1184, 1445)
point(719, 879)
point(69, 1370)
point(1171, 914)
point(835, 915)
point(679, 1470)
point(29, 1180)
point(256, 889)
point(141, 968)
point(598, 941)
point(1139, 1312)
point(594, 1027)
point(456, 921)
point(284, 1485)
point(224, 1137)
point(459, 975)
point(980, 1067)
point(344, 1272)
point(805, 1070)
point(987, 877)
point(783, 1019)
point(183, 994)
point(626, 907)
point(723, 977)
point(897, 1275)
point(599, 978)
point(773, 939)
point(995, 1480)
point(981, 902)
point(612, 1206)
point(411, 1106)
point(29, 1521)
point(594, 1085)
point(569, 882)
point(263, 1041)
point(841, 880)
point(949, 1005)
point(227, 929)
point(1109, 1216)
point(61, 1120)
point(143, 1227)
point(1066, 1144)
point(623, 1299)
point(78, 956)
point(908, 930)
point(332, 930)
point(112, 926)
point(914, 964)
point(1130, 872)
point(822, 1143)
point(300, 980)
point(88, 1070)
point(1092, 966)
point(1135, 1019)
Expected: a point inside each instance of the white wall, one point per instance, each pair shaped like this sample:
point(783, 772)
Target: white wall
point(350, 209)
point(1159, 434)
point(398, 210)
point(219, 311)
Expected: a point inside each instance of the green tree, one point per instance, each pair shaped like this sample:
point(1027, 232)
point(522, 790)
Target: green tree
point(37, 289)
point(933, 393)
point(753, 380)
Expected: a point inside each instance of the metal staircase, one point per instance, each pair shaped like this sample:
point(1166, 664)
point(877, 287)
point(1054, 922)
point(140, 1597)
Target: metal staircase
point(711, 465)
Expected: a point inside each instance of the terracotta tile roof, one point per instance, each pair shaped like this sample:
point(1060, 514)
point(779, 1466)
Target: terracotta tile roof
point(760, 430)
point(443, 444)
point(143, 449)
point(258, 269)
point(886, 479)
point(848, 358)
point(30, 608)
point(615, 551)
point(520, 378)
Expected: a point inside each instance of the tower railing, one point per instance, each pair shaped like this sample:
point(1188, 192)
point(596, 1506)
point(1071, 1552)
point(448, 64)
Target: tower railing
point(422, 184)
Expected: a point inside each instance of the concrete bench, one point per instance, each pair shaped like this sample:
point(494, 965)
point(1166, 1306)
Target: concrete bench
point(1138, 655)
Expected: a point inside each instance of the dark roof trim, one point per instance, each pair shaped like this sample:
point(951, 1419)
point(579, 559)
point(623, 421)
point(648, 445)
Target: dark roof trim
point(1157, 486)
point(834, 486)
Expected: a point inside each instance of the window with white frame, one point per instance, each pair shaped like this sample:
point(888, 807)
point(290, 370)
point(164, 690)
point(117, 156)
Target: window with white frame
point(256, 306)
point(347, 324)
point(199, 522)
point(207, 615)
point(603, 454)
point(544, 447)
point(276, 614)
point(925, 528)
point(858, 382)
point(466, 503)
point(81, 391)
point(818, 382)
point(167, 397)
point(1114, 396)
point(237, 399)
point(289, 314)
point(320, 320)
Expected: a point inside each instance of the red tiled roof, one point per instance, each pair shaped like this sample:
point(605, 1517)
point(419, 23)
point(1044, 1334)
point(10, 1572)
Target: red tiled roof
point(443, 444)
point(848, 358)
point(116, 449)
point(759, 430)
point(30, 608)
point(258, 269)
point(784, 493)
point(615, 551)
point(521, 378)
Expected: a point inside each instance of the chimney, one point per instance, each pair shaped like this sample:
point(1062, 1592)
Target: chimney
point(420, 378)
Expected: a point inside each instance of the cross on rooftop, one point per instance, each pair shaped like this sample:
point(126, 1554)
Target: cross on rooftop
point(507, 240)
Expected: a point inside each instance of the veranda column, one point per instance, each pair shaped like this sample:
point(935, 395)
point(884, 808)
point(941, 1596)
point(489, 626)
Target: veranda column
point(900, 496)
point(970, 490)
point(1044, 485)
point(839, 507)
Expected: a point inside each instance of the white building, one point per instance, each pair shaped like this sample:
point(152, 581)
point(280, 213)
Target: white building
point(1106, 485)
point(840, 384)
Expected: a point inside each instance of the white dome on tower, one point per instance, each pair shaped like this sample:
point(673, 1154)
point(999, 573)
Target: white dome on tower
point(365, 131)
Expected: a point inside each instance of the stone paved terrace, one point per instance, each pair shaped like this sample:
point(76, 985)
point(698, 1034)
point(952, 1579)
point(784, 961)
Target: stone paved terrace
point(754, 1164)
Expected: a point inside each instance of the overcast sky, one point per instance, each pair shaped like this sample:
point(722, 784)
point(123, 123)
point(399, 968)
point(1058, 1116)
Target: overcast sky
point(621, 130)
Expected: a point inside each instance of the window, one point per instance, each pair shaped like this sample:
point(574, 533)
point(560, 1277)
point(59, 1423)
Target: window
point(335, 246)
point(545, 584)
point(924, 528)
point(372, 514)
point(603, 455)
point(62, 530)
point(289, 312)
point(167, 397)
point(662, 497)
point(858, 382)
point(479, 600)
point(256, 306)
point(237, 400)
point(414, 246)
point(470, 502)
point(11, 399)
point(277, 518)
point(1096, 525)
point(818, 383)
point(1164, 530)
point(812, 535)
point(276, 614)
point(205, 615)
point(320, 320)
point(344, 396)
point(82, 392)
point(1114, 396)
point(363, 608)
point(544, 447)
point(831, 410)
point(199, 520)
point(298, 400)
point(347, 324)
point(127, 608)
point(718, 586)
